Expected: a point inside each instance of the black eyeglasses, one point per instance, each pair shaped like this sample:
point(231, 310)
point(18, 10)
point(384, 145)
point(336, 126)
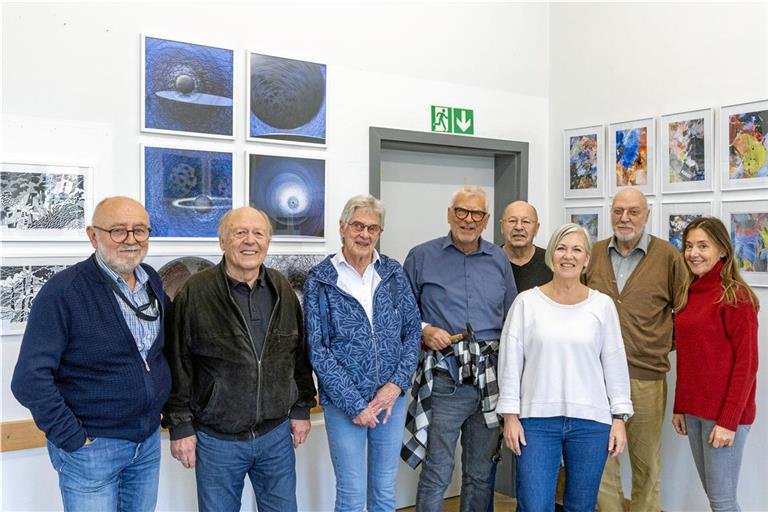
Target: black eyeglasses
point(120, 235)
point(358, 227)
point(463, 213)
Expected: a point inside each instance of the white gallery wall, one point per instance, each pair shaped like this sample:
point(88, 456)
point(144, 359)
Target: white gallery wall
point(618, 62)
point(71, 93)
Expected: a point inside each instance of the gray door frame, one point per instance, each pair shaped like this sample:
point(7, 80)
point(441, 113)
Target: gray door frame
point(510, 160)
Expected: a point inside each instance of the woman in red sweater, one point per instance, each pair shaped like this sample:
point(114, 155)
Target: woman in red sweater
point(716, 333)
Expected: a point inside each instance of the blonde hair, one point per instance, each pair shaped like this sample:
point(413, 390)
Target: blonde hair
point(562, 232)
point(734, 288)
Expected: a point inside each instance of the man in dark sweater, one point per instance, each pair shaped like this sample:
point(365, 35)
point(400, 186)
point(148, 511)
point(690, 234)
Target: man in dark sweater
point(92, 370)
point(242, 382)
point(519, 225)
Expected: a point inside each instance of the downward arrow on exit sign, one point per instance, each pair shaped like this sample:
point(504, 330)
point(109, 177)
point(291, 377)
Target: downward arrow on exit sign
point(463, 121)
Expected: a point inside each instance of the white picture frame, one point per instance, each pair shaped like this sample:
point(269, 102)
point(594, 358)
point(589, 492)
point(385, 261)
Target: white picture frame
point(676, 216)
point(750, 251)
point(743, 164)
point(592, 218)
point(584, 162)
point(635, 168)
point(286, 100)
point(43, 201)
point(187, 88)
point(686, 161)
point(207, 170)
point(21, 278)
point(297, 218)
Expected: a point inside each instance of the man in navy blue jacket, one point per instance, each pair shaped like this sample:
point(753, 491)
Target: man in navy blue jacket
point(92, 370)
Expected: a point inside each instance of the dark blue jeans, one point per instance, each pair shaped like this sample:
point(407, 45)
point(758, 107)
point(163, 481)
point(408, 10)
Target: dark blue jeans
point(109, 474)
point(456, 410)
point(583, 446)
point(268, 460)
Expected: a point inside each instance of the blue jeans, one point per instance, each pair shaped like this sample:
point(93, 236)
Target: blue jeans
point(268, 460)
point(109, 474)
point(718, 467)
point(347, 443)
point(456, 409)
point(582, 445)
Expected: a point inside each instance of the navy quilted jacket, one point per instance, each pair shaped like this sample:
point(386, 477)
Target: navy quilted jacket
point(351, 358)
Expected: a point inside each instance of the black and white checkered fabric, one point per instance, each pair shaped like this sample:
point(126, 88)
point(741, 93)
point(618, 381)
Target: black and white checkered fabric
point(475, 362)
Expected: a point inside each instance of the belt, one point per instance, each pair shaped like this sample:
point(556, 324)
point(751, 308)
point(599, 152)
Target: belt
point(246, 435)
point(446, 373)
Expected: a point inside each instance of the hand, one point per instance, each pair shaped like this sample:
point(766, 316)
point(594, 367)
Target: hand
point(88, 441)
point(367, 418)
point(300, 430)
point(435, 337)
point(678, 422)
point(183, 450)
point(385, 399)
point(721, 437)
point(514, 435)
point(617, 439)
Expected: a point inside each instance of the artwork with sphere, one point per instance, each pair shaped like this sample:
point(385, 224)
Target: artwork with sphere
point(291, 191)
point(286, 99)
point(188, 88)
point(186, 191)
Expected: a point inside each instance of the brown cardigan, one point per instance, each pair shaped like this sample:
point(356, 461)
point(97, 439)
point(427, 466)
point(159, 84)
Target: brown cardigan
point(645, 305)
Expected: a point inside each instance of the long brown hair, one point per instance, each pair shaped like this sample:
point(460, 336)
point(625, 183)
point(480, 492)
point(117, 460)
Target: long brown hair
point(733, 286)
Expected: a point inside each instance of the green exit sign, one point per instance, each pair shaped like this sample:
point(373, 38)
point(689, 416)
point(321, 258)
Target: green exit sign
point(453, 120)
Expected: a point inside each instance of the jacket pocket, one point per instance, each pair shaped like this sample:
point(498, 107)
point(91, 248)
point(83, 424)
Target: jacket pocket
point(207, 405)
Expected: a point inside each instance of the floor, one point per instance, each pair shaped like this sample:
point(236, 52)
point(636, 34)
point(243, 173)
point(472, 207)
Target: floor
point(501, 504)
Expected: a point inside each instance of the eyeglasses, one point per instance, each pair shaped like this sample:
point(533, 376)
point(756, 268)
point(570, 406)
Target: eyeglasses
point(120, 235)
point(513, 221)
point(463, 213)
point(358, 227)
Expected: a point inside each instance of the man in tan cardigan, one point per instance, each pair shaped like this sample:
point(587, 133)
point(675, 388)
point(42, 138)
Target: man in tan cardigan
point(643, 274)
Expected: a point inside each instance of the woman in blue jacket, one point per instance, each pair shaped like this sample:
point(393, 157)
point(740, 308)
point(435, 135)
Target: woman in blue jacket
point(364, 335)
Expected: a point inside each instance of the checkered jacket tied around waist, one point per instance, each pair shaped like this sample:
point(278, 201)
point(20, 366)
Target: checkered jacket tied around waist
point(475, 360)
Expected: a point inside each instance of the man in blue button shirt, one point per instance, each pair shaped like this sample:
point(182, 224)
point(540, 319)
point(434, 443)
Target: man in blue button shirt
point(457, 279)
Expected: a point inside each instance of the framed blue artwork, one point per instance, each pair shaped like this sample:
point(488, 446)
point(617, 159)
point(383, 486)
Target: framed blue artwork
point(291, 191)
point(187, 88)
point(286, 100)
point(186, 191)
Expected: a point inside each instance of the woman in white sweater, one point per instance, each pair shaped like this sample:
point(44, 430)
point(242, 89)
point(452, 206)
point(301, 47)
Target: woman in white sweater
point(563, 381)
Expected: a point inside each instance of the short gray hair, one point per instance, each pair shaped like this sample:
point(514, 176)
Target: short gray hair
point(470, 191)
point(562, 232)
point(366, 203)
point(223, 229)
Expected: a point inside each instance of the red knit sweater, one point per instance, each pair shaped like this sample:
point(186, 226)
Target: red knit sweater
point(716, 355)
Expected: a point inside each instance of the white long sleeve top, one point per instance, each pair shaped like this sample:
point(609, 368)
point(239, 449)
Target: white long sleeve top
point(563, 360)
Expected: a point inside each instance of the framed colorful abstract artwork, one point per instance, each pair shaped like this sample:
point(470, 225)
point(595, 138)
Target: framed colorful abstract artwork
point(20, 280)
point(744, 146)
point(590, 218)
point(286, 100)
point(675, 217)
point(291, 191)
point(187, 88)
point(685, 146)
point(186, 191)
point(583, 151)
point(631, 156)
point(45, 201)
point(747, 223)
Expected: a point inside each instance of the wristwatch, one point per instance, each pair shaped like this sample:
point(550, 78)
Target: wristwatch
point(622, 417)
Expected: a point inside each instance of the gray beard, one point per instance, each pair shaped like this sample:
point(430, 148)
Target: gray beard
point(118, 266)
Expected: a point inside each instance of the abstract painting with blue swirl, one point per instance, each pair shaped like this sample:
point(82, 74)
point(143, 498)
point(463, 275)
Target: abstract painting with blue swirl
point(291, 191)
point(186, 191)
point(286, 99)
point(188, 88)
